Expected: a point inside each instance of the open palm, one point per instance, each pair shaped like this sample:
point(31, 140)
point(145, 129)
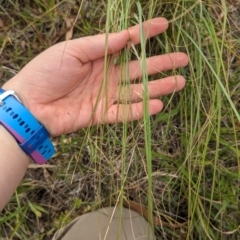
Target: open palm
point(66, 88)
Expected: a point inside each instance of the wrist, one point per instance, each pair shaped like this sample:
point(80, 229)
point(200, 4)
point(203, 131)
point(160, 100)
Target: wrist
point(10, 149)
point(13, 165)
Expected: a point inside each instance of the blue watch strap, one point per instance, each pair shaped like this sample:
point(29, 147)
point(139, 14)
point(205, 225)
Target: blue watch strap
point(31, 135)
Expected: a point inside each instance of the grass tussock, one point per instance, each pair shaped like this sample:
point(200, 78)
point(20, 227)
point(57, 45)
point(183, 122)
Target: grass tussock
point(181, 166)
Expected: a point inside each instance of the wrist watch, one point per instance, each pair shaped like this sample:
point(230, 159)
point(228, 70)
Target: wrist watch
point(32, 136)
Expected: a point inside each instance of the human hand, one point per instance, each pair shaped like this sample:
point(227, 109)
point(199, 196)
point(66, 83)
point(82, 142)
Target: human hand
point(61, 86)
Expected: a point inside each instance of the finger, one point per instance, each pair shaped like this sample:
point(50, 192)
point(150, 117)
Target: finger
point(154, 65)
point(151, 28)
point(156, 89)
point(130, 112)
point(93, 47)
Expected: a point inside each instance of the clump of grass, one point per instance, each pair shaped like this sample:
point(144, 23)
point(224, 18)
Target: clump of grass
point(183, 164)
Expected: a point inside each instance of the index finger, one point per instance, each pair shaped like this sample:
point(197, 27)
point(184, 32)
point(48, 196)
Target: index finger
point(151, 28)
point(94, 47)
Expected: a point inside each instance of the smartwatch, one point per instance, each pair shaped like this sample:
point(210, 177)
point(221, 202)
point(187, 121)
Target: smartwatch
point(32, 136)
